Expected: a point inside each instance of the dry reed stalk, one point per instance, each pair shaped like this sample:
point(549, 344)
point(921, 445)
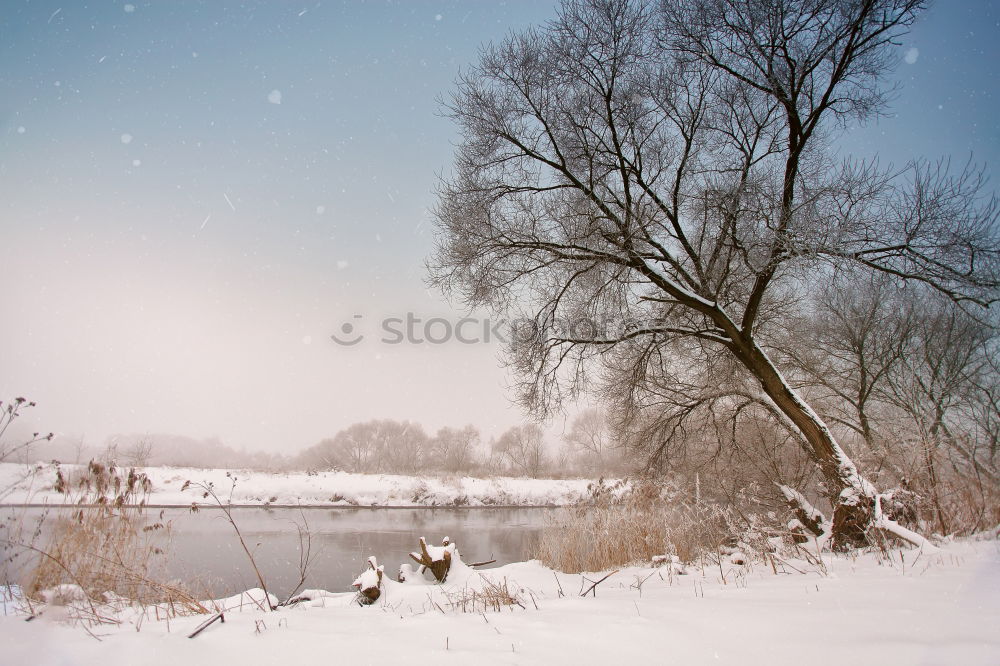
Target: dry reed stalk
point(631, 527)
point(106, 548)
point(494, 596)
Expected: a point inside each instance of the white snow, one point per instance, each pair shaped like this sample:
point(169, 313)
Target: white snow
point(866, 609)
point(311, 489)
point(63, 595)
point(372, 576)
point(274, 97)
point(437, 552)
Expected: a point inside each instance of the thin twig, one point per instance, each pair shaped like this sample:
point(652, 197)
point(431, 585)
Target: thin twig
point(596, 583)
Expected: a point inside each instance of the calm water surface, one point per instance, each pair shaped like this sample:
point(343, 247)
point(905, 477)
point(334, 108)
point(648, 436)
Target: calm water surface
point(203, 546)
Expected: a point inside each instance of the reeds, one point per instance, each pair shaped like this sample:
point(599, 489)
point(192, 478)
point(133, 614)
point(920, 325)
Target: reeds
point(495, 595)
point(629, 524)
point(106, 554)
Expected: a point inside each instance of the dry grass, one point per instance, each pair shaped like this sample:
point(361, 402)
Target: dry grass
point(619, 527)
point(968, 503)
point(495, 595)
point(105, 552)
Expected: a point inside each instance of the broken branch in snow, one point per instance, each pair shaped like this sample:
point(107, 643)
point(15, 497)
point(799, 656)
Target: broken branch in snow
point(806, 515)
point(561, 593)
point(221, 617)
point(594, 585)
point(886, 524)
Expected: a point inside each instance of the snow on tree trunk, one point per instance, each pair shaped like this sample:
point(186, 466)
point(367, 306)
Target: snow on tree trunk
point(853, 496)
point(806, 515)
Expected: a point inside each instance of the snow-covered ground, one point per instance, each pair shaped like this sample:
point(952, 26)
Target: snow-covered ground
point(322, 488)
point(916, 609)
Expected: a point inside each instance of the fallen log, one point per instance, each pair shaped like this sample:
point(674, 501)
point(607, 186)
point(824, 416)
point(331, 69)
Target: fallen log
point(221, 617)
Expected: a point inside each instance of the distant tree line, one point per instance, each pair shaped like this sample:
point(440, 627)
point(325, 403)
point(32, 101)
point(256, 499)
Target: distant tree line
point(379, 446)
point(386, 446)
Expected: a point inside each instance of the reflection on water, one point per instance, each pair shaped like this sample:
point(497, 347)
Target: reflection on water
point(203, 545)
point(204, 548)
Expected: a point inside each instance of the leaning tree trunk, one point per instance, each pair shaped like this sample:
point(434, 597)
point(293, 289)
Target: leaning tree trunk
point(854, 499)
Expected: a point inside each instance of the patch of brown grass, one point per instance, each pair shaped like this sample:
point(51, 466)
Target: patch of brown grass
point(627, 524)
point(495, 595)
point(106, 548)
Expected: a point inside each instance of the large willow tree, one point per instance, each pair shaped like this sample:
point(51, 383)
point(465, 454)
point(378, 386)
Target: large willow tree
point(661, 171)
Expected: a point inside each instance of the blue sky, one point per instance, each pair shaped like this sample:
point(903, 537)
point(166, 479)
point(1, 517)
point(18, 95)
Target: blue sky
point(194, 195)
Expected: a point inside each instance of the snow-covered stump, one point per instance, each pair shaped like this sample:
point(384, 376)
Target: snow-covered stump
point(369, 583)
point(435, 558)
point(856, 515)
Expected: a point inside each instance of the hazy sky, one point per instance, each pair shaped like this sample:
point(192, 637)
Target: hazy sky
point(195, 195)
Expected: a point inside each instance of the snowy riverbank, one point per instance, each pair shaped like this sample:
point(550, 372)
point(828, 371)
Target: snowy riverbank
point(319, 489)
point(866, 609)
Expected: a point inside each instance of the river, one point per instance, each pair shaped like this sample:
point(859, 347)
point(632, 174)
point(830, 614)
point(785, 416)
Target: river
point(202, 549)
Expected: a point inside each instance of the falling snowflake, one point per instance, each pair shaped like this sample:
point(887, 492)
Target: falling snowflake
point(136, 163)
point(437, 17)
point(320, 210)
point(129, 8)
point(126, 138)
point(21, 130)
point(911, 55)
point(342, 264)
point(307, 339)
point(274, 97)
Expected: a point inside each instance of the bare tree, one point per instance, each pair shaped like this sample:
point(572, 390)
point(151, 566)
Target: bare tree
point(521, 450)
point(138, 453)
point(851, 347)
point(592, 442)
point(404, 447)
point(454, 449)
point(377, 446)
point(948, 359)
point(661, 165)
